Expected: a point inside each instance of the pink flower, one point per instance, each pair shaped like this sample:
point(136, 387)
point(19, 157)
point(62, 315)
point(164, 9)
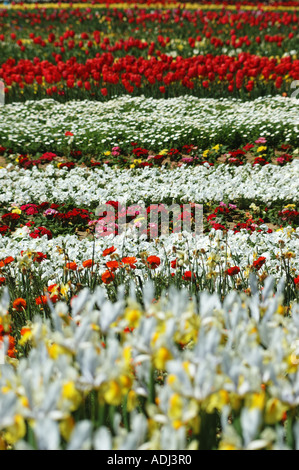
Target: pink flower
point(187, 159)
point(50, 212)
point(261, 140)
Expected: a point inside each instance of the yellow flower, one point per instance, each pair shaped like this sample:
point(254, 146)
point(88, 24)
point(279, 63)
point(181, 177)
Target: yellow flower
point(235, 401)
point(255, 400)
point(223, 445)
point(56, 350)
point(175, 407)
point(217, 147)
point(64, 288)
point(26, 337)
point(280, 310)
point(16, 431)
point(126, 383)
point(66, 427)
point(217, 401)
point(132, 400)
point(262, 148)
point(16, 211)
point(24, 401)
point(107, 153)
point(293, 362)
point(161, 357)
point(127, 354)
point(274, 411)
point(112, 393)
point(69, 392)
point(171, 379)
point(132, 316)
point(177, 424)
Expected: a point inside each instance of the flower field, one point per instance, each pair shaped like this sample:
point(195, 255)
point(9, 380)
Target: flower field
point(149, 226)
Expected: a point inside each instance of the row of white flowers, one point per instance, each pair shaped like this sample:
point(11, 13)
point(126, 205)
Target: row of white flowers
point(154, 123)
point(267, 183)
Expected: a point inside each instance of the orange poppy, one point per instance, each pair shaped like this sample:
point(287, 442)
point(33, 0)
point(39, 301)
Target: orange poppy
point(19, 304)
point(41, 300)
point(109, 251)
point(112, 265)
point(6, 261)
point(153, 261)
point(11, 347)
point(87, 264)
point(72, 266)
point(130, 260)
point(107, 277)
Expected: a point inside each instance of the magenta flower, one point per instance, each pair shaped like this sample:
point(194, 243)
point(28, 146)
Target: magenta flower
point(261, 140)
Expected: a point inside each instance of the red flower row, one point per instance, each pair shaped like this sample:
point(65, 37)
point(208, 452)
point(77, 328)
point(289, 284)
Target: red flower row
point(131, 72)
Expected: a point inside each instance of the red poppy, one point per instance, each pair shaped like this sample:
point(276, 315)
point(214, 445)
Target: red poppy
point(19, 304)
point(41, 300)
point(72, 266)
point(130, 260)
point(11, 346)
point(39, 257)
point(233, 271)
point(109, 251)
point(128, 330)
point(8, 260)
point(257, 264)
point(107, 277)
point(88, 263)
point(153, 261)
point(112, 265)
point(173, 264)
point(188, 276)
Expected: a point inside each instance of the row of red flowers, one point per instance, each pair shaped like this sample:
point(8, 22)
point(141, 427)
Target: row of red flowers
point(104, 72)
point(209, 21)
point(38, 220)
